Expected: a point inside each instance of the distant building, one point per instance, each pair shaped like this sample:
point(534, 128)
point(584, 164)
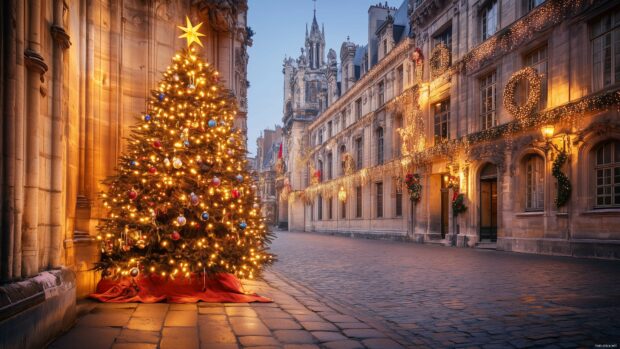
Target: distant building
point(268, 147)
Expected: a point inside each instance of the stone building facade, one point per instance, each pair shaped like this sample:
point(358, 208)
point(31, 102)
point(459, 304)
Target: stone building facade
point(76, 74)
point(268, 147)
point(506, 110)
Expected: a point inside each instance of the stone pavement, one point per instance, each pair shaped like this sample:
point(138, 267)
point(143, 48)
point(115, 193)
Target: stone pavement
point(448, 297)
point(298, 319)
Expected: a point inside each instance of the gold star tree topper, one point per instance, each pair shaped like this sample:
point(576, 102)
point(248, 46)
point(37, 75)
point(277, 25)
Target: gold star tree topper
point(191, 33)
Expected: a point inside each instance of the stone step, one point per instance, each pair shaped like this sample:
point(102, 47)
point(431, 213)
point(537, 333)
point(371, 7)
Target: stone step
point(487, 245)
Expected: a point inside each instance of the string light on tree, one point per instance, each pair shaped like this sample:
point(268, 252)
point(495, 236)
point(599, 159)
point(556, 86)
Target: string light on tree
point(195, 213)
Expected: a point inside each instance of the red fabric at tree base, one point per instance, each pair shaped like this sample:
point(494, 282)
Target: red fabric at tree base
point(220, 288)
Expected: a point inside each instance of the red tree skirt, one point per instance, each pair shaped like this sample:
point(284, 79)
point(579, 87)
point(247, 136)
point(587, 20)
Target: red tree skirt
point(220, 288)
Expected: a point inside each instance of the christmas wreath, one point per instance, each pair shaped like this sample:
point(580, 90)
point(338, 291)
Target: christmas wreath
point(564, 185)
point(458, 204)
point(533, 98)
point(440, 60)
point(412, 181)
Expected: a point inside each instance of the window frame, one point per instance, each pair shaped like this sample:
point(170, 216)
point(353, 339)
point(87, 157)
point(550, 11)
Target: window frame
point(359, 202)
point(485, 90)
point(612, 34)
point(613, 166)
point(484, 19)
point(441, 119)
point(380, 136)
point(379, 199)
point(534, 191)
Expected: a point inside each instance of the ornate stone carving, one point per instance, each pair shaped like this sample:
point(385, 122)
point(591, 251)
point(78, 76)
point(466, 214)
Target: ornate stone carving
point(221, 14)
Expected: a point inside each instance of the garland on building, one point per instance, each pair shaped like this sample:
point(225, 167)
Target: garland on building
point(440, 60)
point(530, 75)
point(564, 185)
point(412, 181)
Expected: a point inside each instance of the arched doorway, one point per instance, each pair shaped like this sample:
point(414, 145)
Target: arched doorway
point(488, 203)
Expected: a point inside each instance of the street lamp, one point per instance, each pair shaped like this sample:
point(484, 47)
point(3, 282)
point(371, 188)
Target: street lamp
point(547, 131)
point(342, 194)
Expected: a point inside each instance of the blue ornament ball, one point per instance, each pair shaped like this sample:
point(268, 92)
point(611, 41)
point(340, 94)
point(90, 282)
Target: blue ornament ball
point(186, 143)
point(204, 216)
point(132, 163)
point(243, 225)
point(212, 123)
point(147, 117)
point(239, 178)
point(161, 96)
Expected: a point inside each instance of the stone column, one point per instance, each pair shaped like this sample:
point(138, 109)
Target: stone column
point(36, 68)
point(61, 39)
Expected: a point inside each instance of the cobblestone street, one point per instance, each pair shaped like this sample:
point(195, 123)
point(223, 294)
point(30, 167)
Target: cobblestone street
point(436, 296)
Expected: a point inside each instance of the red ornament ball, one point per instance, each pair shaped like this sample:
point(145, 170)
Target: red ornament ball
point(132, 194)
point(235, 193)
point(153, 169)
point(175, 235)
point(157, 144)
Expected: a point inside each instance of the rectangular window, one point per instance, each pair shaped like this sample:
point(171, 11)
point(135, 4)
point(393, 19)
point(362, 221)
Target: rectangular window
point(488, 19)
point(398, 211)
point(330, 166)
point(359, 153)
point(329, 130)
point(379, 146)
point(358, 109)
point(488, 101)
point(537, 59)
point(385, 48)
point(399, 80)
point(605, 37)
point(531, 4)
point(358, 202)
point(445, 37)
point(343, 121)
point(330, 208)
point(379, 200)
point(607, 173)
point(321, 136)
point(319, 208)
point(534, 183)
point(381, 93)
point(343, 209)
point(442, 120)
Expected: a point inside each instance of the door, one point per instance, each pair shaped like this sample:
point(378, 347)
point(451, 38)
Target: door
point(445, 218)
point(488, 209)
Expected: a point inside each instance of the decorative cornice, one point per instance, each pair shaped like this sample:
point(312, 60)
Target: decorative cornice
point(61, 38)
point(35, 61)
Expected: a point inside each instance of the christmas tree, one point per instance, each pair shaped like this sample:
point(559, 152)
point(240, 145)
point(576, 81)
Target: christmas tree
point(183, 200)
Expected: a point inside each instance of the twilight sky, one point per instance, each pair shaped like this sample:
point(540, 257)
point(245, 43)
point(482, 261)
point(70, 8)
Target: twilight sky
point(280, 27)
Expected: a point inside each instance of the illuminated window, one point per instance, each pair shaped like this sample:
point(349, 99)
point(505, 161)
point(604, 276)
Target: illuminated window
point(534, 183)
point(605, 36)
point(441, 120)
point(537, 59)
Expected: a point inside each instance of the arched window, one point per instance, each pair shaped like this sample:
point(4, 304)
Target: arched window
point(320, 168)
point(534, 167)
point(607, 174)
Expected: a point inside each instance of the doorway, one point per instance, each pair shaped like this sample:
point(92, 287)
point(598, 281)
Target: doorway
point(445, 217)
point(488, 203)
